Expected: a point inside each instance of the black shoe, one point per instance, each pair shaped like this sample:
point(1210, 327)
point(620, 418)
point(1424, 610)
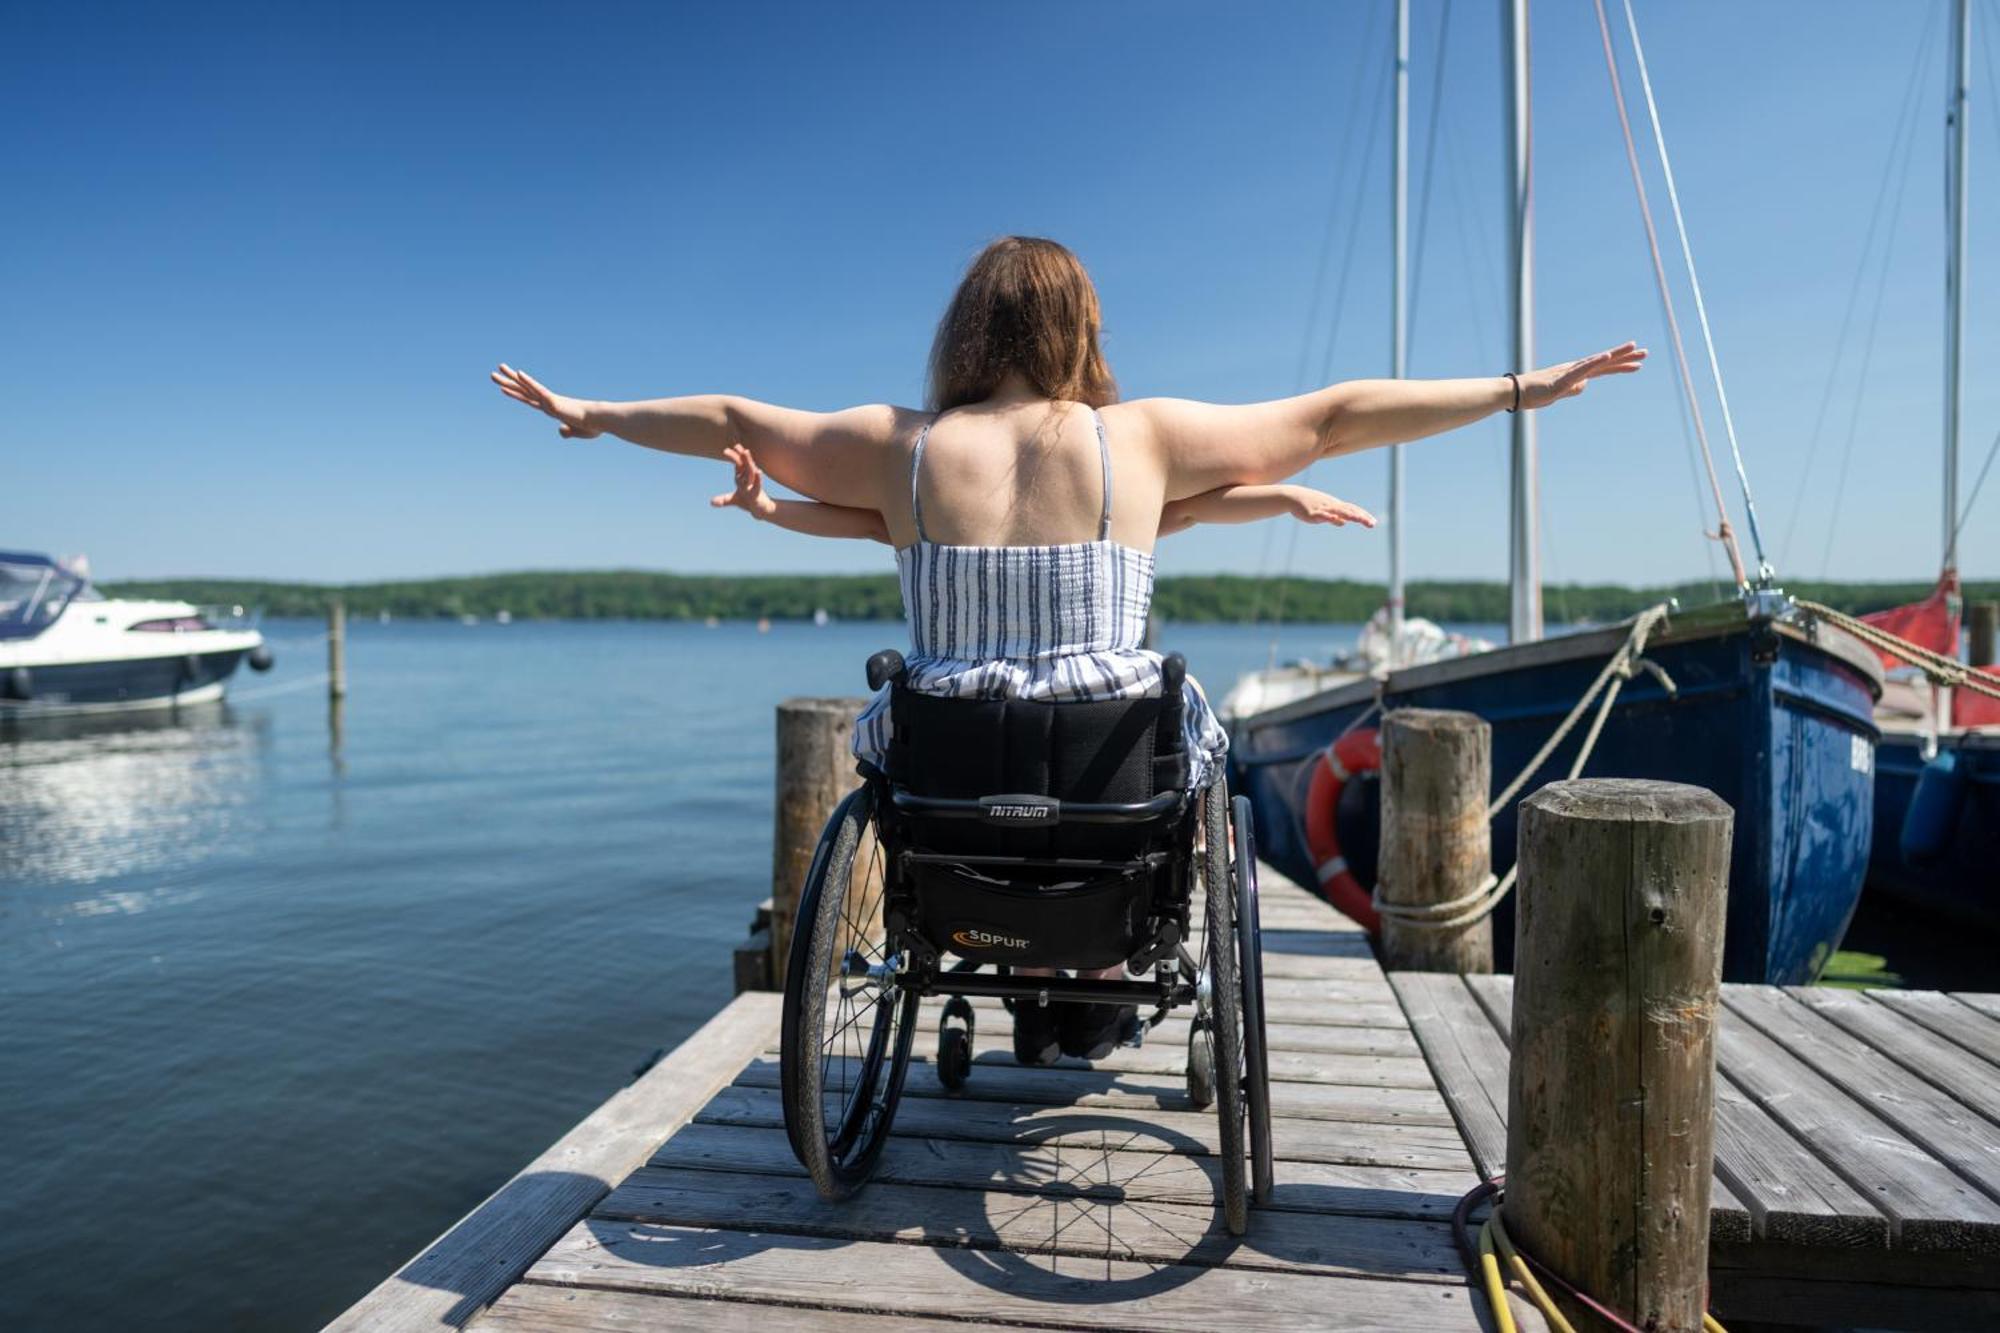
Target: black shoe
point(1035, 1038)
point(1091, 1031)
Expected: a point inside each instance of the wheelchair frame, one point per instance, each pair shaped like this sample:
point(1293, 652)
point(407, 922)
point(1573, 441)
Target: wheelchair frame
point(1224, 985)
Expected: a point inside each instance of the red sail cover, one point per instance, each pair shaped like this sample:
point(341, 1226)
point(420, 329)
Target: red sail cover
point(1933, 624)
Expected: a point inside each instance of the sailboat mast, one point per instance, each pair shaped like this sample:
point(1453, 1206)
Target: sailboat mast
point(1954, 272)
point(1399, 323)
point(1524, 579)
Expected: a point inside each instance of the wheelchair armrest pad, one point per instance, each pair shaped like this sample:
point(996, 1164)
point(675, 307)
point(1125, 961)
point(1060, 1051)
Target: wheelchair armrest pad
point(885, 667)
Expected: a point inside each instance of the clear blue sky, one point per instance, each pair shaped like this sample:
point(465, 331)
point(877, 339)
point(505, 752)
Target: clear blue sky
point(259, 259)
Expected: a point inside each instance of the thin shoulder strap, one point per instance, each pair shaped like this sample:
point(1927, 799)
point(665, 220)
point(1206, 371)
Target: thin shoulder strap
point(917, 462)
point(1104, 457)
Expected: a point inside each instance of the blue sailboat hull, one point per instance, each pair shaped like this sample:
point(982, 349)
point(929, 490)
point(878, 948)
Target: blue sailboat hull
point(1958, 875)
point(1776, 723)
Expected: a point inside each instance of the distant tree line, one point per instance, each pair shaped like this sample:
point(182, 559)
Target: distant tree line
point(640, 595)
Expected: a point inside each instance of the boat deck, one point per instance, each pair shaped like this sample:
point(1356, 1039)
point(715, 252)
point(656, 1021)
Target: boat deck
point(1074, 1197)
point(1857, 1143)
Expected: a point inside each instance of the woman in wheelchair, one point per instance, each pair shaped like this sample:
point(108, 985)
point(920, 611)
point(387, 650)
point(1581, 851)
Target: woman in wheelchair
point(1043, 1033)
point(1043, 795)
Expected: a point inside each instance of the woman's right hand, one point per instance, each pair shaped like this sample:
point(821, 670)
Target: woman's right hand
point(749, 493)
point(569, 413)
point(1552, 384)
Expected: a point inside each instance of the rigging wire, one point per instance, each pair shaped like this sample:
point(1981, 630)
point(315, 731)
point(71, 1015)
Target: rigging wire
point(1334, 216)
point(1764, 570)
point(1984, 468)
point(1904, 119)
point(1723, 532)
point(1867, 359)
point(1430, 173)
point(1332, 345)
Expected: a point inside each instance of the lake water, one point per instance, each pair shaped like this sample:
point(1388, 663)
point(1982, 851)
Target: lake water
point(273, 1015)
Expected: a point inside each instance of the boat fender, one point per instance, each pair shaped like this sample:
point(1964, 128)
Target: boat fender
point(1358, 751)
point(1932, 816)
point(261, 658)
point(190, 667)
point(21, 684)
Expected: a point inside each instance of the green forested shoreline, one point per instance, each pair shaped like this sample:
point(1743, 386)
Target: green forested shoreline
point(644, 595)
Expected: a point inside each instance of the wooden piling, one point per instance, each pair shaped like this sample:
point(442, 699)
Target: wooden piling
point(336, 650)
point(1618, 965)
point(1437, 769)
point(1985, 624)
point(815, 770)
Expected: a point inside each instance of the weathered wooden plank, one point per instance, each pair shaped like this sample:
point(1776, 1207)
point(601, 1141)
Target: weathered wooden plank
point(1103, 1127)
point(1949, 1016)
point(530, 1307)
point(819, 1273)
point(1948, 1066)
point(1283, 1034)
point(1005, 1081)
point(1936, 1122)
point(1928, 1207)
point(1986, 1002)
point(1065, 1222)
point(1467, 1056)
point(464, 1269)
point(1303, 1187)
point(1167, 1051)
point(1777, 1188)
point(1310, 966)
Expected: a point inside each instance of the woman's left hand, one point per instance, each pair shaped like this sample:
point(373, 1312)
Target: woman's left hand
point(1539, 388)
point(749, 493)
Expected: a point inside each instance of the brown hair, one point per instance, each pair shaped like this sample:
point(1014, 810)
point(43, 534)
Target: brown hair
point(1025, 304)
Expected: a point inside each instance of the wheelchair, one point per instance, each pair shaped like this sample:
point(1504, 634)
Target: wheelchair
point(1010, 834)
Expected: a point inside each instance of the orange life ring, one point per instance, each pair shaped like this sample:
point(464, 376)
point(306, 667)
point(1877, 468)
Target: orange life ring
point(1358, 751)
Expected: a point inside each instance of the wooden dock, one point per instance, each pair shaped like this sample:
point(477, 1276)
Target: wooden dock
point(1857, 1176)
point(1857, 1144)
point(1071, 1197)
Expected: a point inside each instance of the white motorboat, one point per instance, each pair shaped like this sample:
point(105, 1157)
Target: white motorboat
point(66, 648)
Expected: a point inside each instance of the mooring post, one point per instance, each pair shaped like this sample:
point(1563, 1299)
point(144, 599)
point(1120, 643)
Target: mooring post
point(336, 650)
point(1985, 623)
point(815, 770)
point(1437, 769)
point(1610, 1101)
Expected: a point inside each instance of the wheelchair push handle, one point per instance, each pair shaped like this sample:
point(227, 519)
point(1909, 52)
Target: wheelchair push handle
point(885, 667)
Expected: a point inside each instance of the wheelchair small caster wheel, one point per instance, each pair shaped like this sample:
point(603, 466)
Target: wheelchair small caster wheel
point(1201, 1068)
point(954, 1054)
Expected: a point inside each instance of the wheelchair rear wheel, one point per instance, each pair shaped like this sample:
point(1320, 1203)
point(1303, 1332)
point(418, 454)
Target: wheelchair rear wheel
point(1224, 1008)
point(848, 1022)
point(1250, 958)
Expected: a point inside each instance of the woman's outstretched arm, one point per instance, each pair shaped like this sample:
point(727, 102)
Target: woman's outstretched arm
point(841, 457)
point(1247, 504)
point(1205, 445)
point(810, 517)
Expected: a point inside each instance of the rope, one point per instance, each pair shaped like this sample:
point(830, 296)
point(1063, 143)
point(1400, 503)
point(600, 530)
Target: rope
point(1938, 668)
point(1497, 1260)
point(1764, 570)
point(273, 691)
point(1723, 532)
point(1626, 662)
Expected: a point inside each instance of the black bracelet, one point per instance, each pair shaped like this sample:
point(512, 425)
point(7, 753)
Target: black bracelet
point(1517, 391)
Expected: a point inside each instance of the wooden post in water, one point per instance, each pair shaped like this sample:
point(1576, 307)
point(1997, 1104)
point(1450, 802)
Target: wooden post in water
point(1610, 1106)
point(1985, 623)
point(815, 770)
point(336, 650)
point(1437, 769)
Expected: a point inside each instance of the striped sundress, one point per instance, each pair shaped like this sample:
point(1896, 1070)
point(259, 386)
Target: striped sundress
point(1059, 623)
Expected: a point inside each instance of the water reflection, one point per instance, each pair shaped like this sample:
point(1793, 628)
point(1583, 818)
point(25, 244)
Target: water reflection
point(91, 798)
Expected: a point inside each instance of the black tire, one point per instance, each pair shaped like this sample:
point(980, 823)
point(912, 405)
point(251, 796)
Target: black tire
point(1225, 1002)
point(1201, 1067)
point(1250, 966)
point(842, 1079)
point(954, 1053)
